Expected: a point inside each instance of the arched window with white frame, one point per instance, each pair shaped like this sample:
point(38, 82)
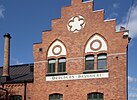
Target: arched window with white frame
point(56, 58)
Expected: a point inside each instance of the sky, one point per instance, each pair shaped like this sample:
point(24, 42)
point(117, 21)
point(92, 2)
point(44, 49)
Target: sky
point(26, 19)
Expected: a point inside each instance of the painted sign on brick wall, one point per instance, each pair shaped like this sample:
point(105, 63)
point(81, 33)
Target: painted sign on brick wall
point(77, 76)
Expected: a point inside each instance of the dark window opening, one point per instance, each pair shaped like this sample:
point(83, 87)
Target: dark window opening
point(56, 97)
point(95, 96)
point(51, 66)
point(102, 61)
point(62, 65)
point(89, 62)
point(40, 49)
point(15, 97)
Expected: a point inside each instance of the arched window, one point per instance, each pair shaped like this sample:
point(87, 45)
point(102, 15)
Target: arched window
point(102, 61)
point(95, 96)
point(15, 97)
point(89, 62)
point(62, 65)
point(51, 66)
point(56, 97)
point(57, 65)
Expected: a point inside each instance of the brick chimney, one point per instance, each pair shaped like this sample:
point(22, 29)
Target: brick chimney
point(6, 63)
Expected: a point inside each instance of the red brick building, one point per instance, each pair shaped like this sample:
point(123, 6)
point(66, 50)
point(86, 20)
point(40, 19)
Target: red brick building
point(81, 58)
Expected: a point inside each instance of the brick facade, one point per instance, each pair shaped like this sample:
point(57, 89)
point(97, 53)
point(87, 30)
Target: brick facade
point(113, 87)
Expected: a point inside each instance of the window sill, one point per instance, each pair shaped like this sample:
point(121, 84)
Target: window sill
point(95, 71)
point(56, 74)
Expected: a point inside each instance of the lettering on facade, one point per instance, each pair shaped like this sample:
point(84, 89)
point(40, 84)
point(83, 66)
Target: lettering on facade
point(77, 76)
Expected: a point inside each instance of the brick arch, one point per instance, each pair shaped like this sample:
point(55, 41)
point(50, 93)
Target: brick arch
point(56, 93)
point(95, 92)
point(56, 48)
point(96, 39)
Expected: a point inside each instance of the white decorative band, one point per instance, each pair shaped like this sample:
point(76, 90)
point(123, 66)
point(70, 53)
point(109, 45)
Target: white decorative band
point(77, 76)
point(113, 54)
point(79, 58)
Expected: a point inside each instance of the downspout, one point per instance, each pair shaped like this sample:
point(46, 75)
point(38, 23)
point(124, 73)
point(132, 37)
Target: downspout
point(126, 36)
point(127, 73)
point(129, 38)
point(25, 89)
point(5, 91)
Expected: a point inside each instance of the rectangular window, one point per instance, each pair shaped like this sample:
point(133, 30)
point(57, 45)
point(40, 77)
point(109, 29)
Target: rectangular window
point(95, 96)
point(89, 63)
point(51, 66)
point(15, 97)
point(62, 65)
point(102, 61)
point(56, 97)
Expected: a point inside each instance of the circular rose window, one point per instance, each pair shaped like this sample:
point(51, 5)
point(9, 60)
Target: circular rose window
point(95, 45)
point(56, 49)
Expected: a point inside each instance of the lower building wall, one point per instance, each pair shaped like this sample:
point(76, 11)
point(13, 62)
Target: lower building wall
point(112, 89)
point(12, 90)
point(77, 89)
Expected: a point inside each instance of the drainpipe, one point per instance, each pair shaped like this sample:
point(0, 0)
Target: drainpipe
point(25, 89)
point(129, 39)
point(5, 91)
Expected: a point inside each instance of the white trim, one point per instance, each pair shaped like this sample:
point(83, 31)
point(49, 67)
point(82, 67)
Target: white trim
point(90, 47)
point(52, 61)
point(43, 61)
point(98, 10)
point(88, 1)
point(62, 60)
point(77, 58)
point(109, 20)
point(77, 76)
point(112, 54)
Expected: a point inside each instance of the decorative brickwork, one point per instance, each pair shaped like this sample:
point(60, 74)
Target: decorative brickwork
point(113, 87)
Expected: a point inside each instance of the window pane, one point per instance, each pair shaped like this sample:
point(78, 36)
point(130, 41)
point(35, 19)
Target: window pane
point(90, 58)
point(51, 66)
point(62, 60)
point(103, 56)
point(100, 96)
point(56, 97)
point(16, 97)
point(89, 63)
point(102, 61)
point(52, 61)
point(95, 96)
point(62, 65)
point(89, 97)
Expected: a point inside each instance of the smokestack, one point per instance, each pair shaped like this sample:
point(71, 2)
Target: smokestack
point(6, 63)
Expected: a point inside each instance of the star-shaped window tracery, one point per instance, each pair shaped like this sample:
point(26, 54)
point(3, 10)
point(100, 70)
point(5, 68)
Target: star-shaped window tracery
point(76, 23)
